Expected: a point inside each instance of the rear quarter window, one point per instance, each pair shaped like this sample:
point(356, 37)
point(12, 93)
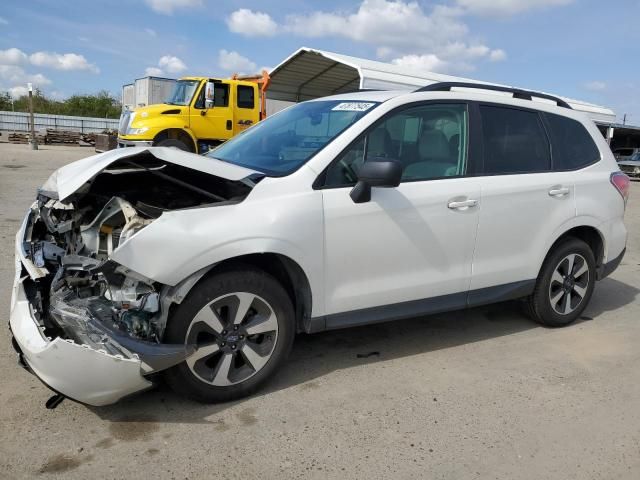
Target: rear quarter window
point(572, 145)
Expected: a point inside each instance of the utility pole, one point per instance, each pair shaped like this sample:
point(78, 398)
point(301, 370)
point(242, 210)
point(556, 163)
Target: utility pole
point(624, 119)
point(33, 141)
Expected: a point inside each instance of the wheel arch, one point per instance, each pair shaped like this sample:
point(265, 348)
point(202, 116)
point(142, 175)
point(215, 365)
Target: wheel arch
point(284, 269)
point(589, 234)
point(181, 134)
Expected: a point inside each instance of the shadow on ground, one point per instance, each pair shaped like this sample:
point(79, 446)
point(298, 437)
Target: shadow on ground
point(317, 355)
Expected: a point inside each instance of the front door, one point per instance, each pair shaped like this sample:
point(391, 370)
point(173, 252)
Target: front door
point(409, 243)
point(215, 123)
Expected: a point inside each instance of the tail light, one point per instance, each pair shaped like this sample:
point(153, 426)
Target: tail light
point(622, 184)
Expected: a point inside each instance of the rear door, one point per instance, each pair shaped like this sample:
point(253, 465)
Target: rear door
point(245, 108)
point(524, 202)
point(215, 123)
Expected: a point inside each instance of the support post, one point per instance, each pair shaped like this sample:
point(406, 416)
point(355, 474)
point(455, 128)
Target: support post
point(33, 141)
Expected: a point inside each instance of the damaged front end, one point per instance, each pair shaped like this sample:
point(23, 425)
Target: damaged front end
point(88, 327)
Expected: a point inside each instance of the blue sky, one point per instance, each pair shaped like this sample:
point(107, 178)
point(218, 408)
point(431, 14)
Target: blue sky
point(585, 49)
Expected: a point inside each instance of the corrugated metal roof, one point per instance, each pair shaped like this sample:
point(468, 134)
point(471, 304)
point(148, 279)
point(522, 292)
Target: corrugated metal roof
point(309, 73)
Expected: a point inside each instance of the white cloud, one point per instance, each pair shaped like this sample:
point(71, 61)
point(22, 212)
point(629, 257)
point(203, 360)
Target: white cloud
point(595, 86)
point(251, 24)
point(153, 72)
point(151, 32)
point(422, 63)
point(4, 21)
point(403, 32)
point(62, 61)
point(167, 65)
point(17, 78)
point(497, 55)
point(167, 7)
point(19, 91)
point(171, 64)
point(508, 7)
point(234, 62)
point(13, 56)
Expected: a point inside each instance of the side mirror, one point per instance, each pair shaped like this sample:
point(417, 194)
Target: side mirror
point(209, 95)
point(377, 172)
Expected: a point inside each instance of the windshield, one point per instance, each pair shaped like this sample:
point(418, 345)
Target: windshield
point(281, 144)
point(183, 92)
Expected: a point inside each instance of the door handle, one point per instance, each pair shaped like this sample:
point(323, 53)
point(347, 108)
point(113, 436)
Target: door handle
point(558, 191)
point(462, 204)
point(245, 122)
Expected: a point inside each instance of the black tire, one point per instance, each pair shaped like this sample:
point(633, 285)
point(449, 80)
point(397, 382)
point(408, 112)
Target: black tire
point(172, 142)
point(183, 380)
point(540, 305)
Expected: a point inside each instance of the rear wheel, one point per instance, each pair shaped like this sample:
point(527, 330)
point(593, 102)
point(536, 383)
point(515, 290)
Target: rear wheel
point(565, 284)
point(174, 143)
point(242, 324)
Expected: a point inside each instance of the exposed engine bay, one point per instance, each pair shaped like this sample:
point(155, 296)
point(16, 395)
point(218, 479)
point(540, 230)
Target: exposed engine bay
point(84, 296)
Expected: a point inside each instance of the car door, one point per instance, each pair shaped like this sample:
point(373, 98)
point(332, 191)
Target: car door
point(409, 243)
point(523, 201)
point(215, 123)
point(245, 110)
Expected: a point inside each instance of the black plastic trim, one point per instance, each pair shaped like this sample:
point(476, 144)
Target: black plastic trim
point(427, 306)
point(607, 269)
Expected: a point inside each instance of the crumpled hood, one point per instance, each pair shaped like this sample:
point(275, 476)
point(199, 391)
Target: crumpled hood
point(66, 180)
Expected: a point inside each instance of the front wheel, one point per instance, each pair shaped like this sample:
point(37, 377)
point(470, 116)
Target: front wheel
point(173, 143)
point(565, 284)
point(242, 324)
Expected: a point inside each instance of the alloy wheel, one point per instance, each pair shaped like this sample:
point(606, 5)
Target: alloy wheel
point(235, 336)
point(569, 284)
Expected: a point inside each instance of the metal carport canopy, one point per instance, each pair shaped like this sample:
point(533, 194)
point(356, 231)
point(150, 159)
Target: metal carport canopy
point(309, 73)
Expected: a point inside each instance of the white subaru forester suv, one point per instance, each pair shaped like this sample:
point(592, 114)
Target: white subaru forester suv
point(147, 263)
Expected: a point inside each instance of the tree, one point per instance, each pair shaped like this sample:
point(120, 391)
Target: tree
point(5, 101)
point(101, 104)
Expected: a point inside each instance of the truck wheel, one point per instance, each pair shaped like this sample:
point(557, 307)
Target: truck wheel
point(565, 284)
point(171, 142)
point(242, 323)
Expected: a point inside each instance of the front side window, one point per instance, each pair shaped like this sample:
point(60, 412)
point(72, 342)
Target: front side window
point(283, 142)
point(430, 141)
point(514, 141)
point(573, 147)
point(245, 96)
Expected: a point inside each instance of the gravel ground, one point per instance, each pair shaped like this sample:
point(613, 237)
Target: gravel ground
point(483, 393)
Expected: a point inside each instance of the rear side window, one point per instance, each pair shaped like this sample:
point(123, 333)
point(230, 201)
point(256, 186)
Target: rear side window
point(245, 96)
point(514, 141)
point(572, 146)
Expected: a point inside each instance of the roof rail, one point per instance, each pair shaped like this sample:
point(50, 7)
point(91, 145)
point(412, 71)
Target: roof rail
point(517, 93)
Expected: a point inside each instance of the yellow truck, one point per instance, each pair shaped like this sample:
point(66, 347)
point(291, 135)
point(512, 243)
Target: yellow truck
point(200, 113)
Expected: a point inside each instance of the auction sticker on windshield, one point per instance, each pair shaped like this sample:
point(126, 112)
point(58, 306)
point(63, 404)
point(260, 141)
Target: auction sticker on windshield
point(353, 106)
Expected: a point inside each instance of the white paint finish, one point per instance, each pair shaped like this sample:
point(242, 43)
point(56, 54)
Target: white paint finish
point(517, 217)
point(71, 177)
point(77, 371)
point(280, 215)
point(405, 244)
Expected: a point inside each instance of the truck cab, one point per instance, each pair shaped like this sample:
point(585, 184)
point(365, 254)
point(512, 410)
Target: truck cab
point(200, 113)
